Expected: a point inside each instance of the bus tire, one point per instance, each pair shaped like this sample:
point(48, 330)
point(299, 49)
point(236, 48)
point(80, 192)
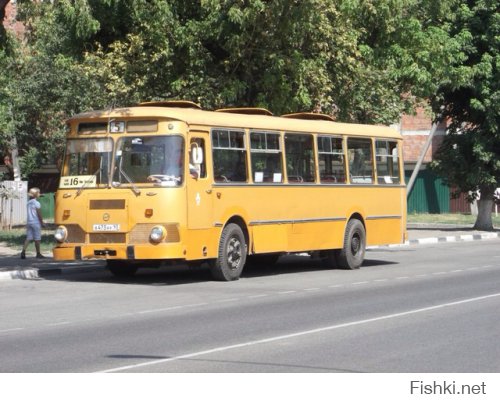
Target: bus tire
point(351, 256)
point(121, 268)
point(231, 254)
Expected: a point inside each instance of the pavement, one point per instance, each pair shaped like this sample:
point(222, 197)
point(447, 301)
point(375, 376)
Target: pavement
point(12, 267)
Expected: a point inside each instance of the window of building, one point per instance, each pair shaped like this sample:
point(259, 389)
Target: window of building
point(299, 154)
point(360, 160)
point(331, 160)
point(387, 162)
point(265, 155)
point(229, 155)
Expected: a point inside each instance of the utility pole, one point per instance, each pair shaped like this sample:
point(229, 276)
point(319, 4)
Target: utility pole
point(427, 144)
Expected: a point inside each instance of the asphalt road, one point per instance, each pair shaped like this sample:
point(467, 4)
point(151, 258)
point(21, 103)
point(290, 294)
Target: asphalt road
point(430, 308)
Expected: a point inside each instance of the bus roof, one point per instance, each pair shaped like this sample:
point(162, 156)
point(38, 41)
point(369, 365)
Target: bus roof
point(193, 116)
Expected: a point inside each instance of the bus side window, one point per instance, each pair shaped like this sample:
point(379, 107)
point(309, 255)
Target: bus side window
point(331, 160)
point(265, 155)
point(360, 160)
point(229, 155)
point(299, 155)
point(387, 162)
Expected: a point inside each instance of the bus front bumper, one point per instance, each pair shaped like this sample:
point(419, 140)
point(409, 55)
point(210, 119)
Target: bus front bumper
point(128, 252)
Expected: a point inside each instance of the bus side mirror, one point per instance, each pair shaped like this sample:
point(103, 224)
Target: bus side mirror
point(196, 154)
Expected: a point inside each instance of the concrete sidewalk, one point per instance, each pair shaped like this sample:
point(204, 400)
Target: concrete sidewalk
point(13, 267)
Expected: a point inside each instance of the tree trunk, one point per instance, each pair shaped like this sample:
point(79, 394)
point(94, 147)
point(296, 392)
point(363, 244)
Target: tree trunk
point(484, 221)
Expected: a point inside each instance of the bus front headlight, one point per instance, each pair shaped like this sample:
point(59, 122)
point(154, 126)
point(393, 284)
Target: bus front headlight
point(61, 234)
point(158, 234)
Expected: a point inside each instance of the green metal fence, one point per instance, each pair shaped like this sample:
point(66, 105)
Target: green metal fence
point(47, 205)
point(429, 194)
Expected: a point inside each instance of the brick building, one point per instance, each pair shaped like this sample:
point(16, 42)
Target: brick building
point(8, 12)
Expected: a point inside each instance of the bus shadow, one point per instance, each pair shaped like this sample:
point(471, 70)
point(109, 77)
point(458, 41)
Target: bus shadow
point(184, 274)
point(300, 264)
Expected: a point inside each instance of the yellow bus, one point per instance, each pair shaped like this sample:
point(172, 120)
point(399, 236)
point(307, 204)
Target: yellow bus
point(169, 182)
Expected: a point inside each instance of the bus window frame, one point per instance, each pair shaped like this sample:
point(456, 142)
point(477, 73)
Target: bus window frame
point(343, 154)
point(245, 151)
point(314, 156)
point(279, 152)
point(363, 182)
point(398, 155)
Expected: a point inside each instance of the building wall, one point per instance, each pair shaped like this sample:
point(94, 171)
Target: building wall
point(10, 22)
point(415, 130)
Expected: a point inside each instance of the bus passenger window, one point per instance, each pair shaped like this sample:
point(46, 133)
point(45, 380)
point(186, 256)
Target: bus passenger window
point(360, 160)
point(331, 160)
point(387, 162)
point(299, 154)
point(229, 155)
point(265, 155)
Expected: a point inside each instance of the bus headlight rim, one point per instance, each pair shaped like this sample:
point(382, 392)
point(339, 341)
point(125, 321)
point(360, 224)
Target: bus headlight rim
point(61, 234)
point(158, 233)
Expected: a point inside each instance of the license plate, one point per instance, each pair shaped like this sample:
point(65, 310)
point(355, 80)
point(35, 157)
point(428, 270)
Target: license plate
point(106, 227)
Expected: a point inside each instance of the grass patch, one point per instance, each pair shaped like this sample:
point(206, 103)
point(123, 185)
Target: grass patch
point(458, 219)
point(15, 238)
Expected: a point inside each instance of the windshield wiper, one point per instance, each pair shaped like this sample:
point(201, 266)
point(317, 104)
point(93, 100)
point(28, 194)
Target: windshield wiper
point(134, 188)
point(80, 190)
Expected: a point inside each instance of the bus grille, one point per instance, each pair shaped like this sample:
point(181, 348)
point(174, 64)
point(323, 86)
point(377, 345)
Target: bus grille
point(118, 204)
point(75, 234)
point(140, 233)
point(107, 238)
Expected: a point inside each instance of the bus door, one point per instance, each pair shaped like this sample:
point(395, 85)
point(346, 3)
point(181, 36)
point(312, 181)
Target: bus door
point(199, 186)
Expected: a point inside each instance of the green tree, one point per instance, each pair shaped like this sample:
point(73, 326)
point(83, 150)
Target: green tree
point(469, 98)
point(363, 61)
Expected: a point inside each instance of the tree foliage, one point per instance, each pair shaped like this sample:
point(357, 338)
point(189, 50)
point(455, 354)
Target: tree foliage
point(363, 61)
point(469, 98)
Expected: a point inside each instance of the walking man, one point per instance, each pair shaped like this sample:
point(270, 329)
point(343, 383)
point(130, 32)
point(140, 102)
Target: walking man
point(35, 222)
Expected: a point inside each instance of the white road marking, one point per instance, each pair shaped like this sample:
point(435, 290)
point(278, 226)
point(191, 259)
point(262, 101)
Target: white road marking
point(11, 330)
point(299, 334)
point(227, 300)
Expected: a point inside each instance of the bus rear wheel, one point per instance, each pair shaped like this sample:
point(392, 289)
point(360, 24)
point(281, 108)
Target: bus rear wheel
point(231, 255)
point(351, 256)
point(121, 268)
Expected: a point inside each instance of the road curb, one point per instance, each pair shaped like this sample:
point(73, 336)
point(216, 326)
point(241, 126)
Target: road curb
point(434, 240)
point(454, 238)
point(29, 274)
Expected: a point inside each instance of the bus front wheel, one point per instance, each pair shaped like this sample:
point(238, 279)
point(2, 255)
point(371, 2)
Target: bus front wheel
point(351, 256)
point(231, 254)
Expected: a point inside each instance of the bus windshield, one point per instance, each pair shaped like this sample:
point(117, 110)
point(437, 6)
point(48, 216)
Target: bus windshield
point(154, 160)
point(87, 162)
